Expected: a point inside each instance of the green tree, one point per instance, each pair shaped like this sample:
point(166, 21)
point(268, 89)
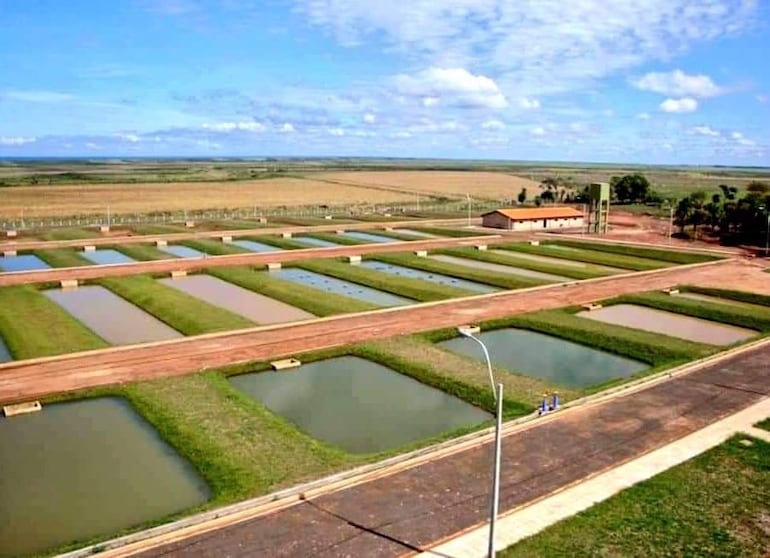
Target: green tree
point(522, 195)
point(631, 187)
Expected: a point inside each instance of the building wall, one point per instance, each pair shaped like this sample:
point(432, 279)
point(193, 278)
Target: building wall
point(496, 220)
point(547, 224)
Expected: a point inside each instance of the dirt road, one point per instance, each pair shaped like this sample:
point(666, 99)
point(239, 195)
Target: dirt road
point(30, 379)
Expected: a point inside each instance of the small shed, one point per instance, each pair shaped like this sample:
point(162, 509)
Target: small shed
point(533, 218)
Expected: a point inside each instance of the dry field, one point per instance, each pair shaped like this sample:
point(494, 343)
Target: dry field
point(49, 201)
point(491, 185)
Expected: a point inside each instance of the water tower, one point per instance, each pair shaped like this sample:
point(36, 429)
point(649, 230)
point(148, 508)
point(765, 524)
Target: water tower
point(599, 207)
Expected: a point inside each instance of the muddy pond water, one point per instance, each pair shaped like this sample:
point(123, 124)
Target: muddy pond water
point(467, 262)
point(182, 251)
point(107, 256)
point(311, 241)
point(253, 306)
point(255, 246)
point(431, 277)
point(112, 318)
point(669, 323)
point(5, 354)
point(339, 286)
point(368, 237)
point(546, 357)
point(23, 262)
point(358, 405)
point(86, 468)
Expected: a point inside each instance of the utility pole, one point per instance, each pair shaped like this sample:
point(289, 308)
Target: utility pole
point(468, 196)
point(670, 221)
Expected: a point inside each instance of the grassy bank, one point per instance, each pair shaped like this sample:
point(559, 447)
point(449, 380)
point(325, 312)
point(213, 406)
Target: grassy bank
point(333, 237)
point(714, 505)
point(213, 247)
point(572, 272)
point(278, 242)
point(402, 286)
point(313, 300)
point(62, 257)
point(502, 280)
point(454, 233)
point(159, 229)
point(649, 253)
point(729, 294)
point(142, 252)
point(632, 263)
point(187, 314)
point(34, 326)
point(66, 234)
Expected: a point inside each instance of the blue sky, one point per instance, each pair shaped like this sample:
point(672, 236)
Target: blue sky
point(658, 81)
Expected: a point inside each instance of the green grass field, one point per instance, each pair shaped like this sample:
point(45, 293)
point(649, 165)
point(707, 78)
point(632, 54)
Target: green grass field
point(632, 263)
point(640, 252)
point(62, 257)
point(333, 237)
point(142, 252)
point(213, 247)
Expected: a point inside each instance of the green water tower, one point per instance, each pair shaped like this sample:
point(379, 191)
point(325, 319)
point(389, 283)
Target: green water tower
point(599, 207)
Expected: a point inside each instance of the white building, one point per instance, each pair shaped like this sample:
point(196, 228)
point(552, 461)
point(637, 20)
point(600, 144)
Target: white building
point(533, 218)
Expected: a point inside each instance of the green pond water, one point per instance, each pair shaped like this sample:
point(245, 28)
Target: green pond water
point(546, 357)
point(78, 470)
point(358, 405)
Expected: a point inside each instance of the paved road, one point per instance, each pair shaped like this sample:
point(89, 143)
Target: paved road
point(411, 510)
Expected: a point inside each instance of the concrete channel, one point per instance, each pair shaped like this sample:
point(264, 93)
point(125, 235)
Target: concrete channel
point(253, 306)
point(512, 270)
point(340, 286)
point(112, 318)
point(428, 276)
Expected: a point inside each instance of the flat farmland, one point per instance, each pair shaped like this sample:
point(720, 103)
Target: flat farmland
point(492, 185)
point(49, 201)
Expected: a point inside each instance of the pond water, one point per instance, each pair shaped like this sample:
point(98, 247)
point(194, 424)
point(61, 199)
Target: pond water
point(669, 323)
point(255, 246)
point(5, 354)
point(368, 237)
point(112, 318)
point(253, 306)
point(107, 256)
point(546, 357)
point(182, 251)
point(557, 261)
point(438, 278)
point(24, 262)
point(315, 241)
point(86, 468)
point(500, 268)
point(339, 286)
point(358, 405)
point(416, 233)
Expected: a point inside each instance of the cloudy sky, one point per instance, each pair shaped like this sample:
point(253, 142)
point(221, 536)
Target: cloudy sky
point(652, 81)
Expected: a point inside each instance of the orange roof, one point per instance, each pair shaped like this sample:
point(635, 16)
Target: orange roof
point(528, 213)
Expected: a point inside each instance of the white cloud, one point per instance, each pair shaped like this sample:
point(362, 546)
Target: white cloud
point(336, 131)
point(36, 96)
point(370, 118)
point(686, 104)
point(643, 116)
point(287, 128)
point(740, 139)
point(16, 140)
point(706, 131)
point(529, 103)
point(131, 138)
point(429, 101)
point(537, 131)
point(456, 86)
point(678, 84)
point(232, 126)
point(763, 99)
point(493, 125)
point(92, 145)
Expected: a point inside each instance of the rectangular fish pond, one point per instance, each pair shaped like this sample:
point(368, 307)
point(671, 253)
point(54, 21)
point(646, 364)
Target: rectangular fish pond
point(253, 306)
point(182, 251)
point(467, 262)
point(429, 276)
point(107, 256)
point(78, 470)
point(412, 232)
point(255, 246)
point(557, 261)
point(546, 357)
point(112, 318)
point(319, 242)
point(669, 323)
point(5, 354)
point(358, 405)
point(23, 262)
point(368, 237)
point(340, 287)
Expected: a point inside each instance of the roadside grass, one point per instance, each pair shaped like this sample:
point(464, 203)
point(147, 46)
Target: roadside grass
point(416, 289)
point(496, 279)
point(572, 272)
point(313, 300)
point(214, 247)
point(278, 242)
point(185, 313)
point(62, 257)
point(717, 504)
point(34, 326)
point(632, 263)
point(637, 251)
point(142, 252)
point(730, 294)
point(725, 313)
point(333, 237)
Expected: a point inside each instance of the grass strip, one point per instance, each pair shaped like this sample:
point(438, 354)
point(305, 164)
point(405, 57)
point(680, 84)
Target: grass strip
point(315, 301)
point(142, 252)
point(394, 235)
point(185, 313)
point(278, 242)
point(502, 280)
point(34, 326)
point(62, 257)
point(649, 253)
point(543, 267)
point(214, 247)
point(589, 256)
point(335, 238)
point(159, 229)
point(416, 289)
point(716, 504)
point(67, 234)
point(454, 233)
point(729, 294)
point(725, 313)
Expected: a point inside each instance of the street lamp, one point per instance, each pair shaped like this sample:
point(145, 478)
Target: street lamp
point(467, 332)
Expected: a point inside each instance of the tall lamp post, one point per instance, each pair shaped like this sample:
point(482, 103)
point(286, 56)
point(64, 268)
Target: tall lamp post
point(467, 332)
